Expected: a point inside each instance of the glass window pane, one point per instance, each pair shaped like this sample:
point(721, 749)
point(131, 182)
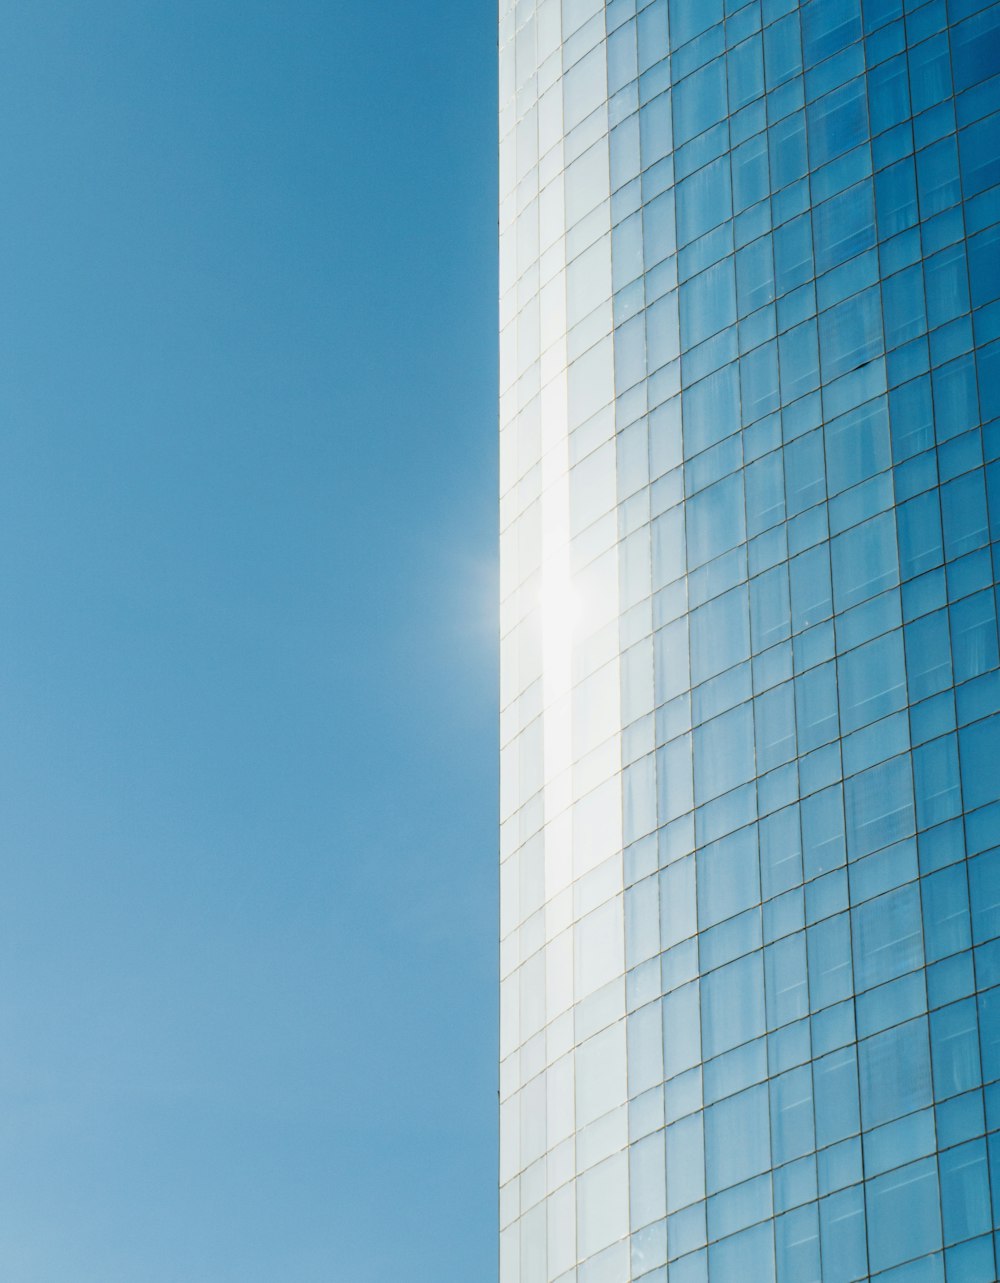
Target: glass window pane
point(980, 752)
point(715, 520)
point(737, 1139)
point(728, 877)
point(955, 1049)
point(724, 755)
point(851, 333)
point(895, 1073)
point(837, 121)
point(700, 101)
point(872, 681)
point(904, 1214)
point(879, 806)
point(965, 1192)
point(829, 26)
point(732, 1005)
point(888, 939)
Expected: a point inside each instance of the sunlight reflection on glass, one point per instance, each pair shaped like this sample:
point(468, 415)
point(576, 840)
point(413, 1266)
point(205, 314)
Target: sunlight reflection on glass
point(561, 611)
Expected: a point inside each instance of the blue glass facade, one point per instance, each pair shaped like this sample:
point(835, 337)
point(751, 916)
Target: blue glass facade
point(750, 516)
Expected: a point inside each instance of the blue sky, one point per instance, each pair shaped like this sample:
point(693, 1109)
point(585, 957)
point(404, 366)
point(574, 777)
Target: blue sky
point(247, 689)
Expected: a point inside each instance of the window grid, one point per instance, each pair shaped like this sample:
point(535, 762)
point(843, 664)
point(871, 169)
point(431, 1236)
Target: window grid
point(800, 235)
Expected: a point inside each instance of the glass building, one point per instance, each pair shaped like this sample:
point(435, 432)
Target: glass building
point(750, 680)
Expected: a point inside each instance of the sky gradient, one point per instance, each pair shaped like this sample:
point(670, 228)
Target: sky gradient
point(247, 589)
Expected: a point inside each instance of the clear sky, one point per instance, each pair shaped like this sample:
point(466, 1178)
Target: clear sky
point(247, 654)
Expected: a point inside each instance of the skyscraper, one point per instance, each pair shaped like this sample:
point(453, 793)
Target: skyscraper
point(750, 724)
